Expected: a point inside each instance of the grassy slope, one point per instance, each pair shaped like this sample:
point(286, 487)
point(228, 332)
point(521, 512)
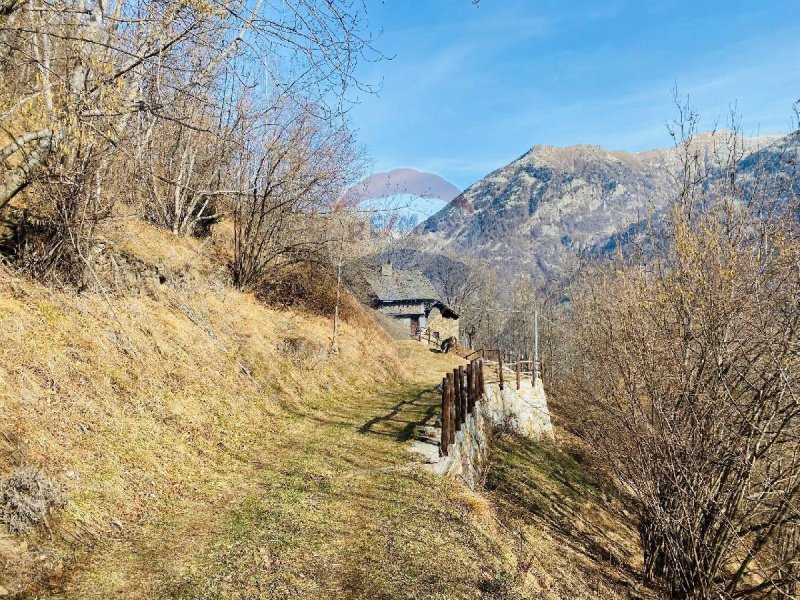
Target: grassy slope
point(210, 448)
point(572, 534)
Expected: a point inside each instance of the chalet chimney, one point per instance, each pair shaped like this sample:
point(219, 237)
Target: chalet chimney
point(386, 269)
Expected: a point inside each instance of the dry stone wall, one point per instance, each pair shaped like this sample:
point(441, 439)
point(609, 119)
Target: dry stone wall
point(522, 411)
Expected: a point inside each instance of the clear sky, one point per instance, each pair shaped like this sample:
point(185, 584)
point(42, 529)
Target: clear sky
point(470, 88)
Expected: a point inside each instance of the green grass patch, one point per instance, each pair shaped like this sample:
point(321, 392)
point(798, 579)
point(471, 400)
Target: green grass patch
point(341, 511)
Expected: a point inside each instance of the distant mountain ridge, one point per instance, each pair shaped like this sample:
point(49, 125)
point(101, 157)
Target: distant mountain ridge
point(541, 211)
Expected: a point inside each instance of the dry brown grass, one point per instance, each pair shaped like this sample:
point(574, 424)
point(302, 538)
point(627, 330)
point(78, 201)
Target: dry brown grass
point(572, 532)
point(150, 405)
point(210, 447)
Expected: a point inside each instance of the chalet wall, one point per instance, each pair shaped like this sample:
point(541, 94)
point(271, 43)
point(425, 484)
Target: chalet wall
point(446, 327)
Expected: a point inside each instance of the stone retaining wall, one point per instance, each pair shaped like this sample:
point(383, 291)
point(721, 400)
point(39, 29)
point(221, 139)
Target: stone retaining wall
point(523, 412)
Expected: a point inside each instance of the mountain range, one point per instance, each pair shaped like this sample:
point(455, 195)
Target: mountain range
point(542, 211)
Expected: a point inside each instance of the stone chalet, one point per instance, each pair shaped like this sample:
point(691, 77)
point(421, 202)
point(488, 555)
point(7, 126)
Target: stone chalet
point(410, 297)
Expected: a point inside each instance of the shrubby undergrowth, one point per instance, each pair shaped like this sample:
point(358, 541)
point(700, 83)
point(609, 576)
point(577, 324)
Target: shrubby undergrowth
point(27, 498)
point(683, 374)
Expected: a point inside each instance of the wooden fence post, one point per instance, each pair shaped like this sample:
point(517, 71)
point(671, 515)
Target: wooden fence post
point(457, 401)
point(445, 443)
point(518, 375)
point(453, 423)
point(463, 394)
point(470, 389)
point(451, 415)
point(500, 370)
point(467, 391)
point(475, 380)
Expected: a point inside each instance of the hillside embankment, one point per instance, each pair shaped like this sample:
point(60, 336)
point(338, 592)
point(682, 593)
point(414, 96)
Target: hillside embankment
point(211, 447)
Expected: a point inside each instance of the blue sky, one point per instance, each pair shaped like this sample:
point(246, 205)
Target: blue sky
point(471, 88)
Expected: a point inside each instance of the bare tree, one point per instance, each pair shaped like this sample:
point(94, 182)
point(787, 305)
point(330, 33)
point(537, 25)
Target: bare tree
point(297, 169)
point(685, 368)
point(152, 91)
point(455, 276)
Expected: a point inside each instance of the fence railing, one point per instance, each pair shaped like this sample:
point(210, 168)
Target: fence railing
point(518, 369)
point(484, 353)
point(426, 335)
point(461, 391)
point(504, 361)
point(463, 388)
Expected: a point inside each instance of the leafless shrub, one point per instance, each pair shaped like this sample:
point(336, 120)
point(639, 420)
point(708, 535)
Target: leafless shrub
point(27, 497)
point(303, 351)
point(295, 171)
point(309, 286)
point(55, 234)
point(684, 376)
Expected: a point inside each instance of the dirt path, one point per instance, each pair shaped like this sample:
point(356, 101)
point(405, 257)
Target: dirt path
point(334, 507)
point(343, 512)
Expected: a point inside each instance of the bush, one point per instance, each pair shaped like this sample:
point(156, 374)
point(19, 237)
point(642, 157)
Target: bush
point(27, 497)
point(684, 375)
point(309, 286)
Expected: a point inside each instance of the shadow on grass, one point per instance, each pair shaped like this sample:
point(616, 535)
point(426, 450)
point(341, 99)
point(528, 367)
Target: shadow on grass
point(408, 413)
point(544, 486)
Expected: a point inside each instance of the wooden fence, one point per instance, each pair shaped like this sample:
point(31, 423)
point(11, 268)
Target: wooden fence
point(504, 361)
point(461, 391)
point(519, 369)
point(464, 387)
point(426, 335)
point(497, 354)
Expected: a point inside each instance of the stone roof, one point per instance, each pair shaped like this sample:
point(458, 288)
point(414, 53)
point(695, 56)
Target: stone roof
point(403, 310)
point(399, 285)
point(445, 311)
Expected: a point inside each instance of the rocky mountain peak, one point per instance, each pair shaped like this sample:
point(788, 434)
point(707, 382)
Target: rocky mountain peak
point(541, 211)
